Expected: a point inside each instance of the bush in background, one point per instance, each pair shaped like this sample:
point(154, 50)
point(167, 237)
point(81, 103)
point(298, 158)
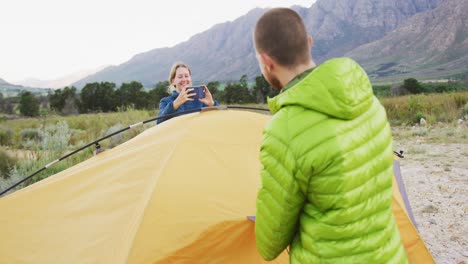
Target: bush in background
point(6, 136)
point(30, 134)
point(7, 163)
point(55, 138)
point(447, 107)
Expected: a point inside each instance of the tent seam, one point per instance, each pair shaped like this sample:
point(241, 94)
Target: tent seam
point(142, 211)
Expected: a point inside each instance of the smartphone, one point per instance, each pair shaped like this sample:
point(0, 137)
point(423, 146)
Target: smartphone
point(198, 91)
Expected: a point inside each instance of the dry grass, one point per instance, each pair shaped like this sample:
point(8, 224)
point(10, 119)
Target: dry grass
point(85, 128)
point(435, 108)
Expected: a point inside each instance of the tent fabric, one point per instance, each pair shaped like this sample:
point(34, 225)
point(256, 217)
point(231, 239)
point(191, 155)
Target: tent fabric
point(398, 182)
point(180, 192)
point(416, 250)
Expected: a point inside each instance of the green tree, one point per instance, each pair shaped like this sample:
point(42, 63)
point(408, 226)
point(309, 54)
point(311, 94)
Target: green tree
point(238, 92)
point(3, 103)
point(7, 104)
point(441, 88)
point(98, 97)
point(71, 101)
point(106, 97)
point(28, 105)
point(88, 97)
point(413, 86)
point(131, 94)
point(56, 101)
point(213, 86)
point(157, 93)
point(262, 89)
point(243, 81)
point(65, 101)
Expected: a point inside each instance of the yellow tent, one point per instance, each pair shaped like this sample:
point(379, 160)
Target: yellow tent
point(179, 192)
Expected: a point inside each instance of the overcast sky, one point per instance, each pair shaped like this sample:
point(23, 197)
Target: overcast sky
point(48, 39)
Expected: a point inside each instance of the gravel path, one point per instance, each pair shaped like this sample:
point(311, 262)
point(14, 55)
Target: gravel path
point(436, 178)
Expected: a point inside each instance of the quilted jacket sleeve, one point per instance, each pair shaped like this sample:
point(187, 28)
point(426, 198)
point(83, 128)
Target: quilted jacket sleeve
point(280, 200)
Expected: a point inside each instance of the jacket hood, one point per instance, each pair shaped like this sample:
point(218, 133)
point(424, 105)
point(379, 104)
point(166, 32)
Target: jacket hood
point(338, 87)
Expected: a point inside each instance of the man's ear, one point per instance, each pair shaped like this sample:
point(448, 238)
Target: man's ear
point(310, 41)
point(267, 61)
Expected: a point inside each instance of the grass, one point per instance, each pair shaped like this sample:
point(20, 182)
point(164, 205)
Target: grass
point(434, 108)
point(84, 128)
point(439, 133)
point(416, 150)
point(48, 138)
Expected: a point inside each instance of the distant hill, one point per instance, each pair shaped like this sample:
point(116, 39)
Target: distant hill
point(339, 27)
point(59, 82)
point(431, 43)
point(8, 89)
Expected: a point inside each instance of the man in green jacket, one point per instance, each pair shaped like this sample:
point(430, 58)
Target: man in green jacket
point(326, 155)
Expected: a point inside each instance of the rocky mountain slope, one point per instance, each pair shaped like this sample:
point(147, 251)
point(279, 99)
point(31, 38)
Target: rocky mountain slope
point(431, 43)
point(225, 51)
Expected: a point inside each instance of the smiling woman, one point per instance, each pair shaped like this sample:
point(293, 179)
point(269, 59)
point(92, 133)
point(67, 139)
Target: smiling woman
point(183, 97)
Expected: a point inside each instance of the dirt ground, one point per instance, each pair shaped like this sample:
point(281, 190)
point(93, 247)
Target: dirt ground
point(435, 171)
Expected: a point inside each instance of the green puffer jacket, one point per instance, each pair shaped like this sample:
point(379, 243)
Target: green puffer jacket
point(327, 172)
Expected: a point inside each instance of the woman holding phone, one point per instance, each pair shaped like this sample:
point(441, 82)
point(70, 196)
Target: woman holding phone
point(183, 97)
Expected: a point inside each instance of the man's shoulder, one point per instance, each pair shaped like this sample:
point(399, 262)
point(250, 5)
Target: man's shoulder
point(293, 119)
point(281, 120)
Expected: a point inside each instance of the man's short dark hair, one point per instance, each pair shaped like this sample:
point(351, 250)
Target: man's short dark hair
point(281, 34)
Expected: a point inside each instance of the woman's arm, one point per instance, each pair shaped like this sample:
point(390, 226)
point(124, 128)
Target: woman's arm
point(166, 107)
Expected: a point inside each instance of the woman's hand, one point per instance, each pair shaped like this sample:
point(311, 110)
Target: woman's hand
point(184, 96)
point(208, 100)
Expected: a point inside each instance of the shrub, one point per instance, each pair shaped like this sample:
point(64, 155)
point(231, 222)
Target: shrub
point(7, 163)
point(6, 136)
point(441, 88)
point(418, 116)
point(460, 99)
point(30, 134)
point(445, 107)
point(413, 86)
point(116, 139)
point(381, 90)
point(55, 137)
point(465, 111)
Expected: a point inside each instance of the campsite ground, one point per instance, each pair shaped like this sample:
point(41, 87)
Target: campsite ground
point(435, 171)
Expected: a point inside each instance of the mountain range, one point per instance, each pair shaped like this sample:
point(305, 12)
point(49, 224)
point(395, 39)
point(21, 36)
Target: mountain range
point(391, 39)
point(59, 82)
point(8, 89)
point(433, 44)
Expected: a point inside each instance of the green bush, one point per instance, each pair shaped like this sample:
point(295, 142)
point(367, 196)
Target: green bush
point(381, 90)
point(30, 134)
point(116, 139)
point(55, 138)
point(7, 163)
point(465, 110)
point(418, 116)
point(6, 136)
point(413, 86)
point(445, 107)
point(460, 99)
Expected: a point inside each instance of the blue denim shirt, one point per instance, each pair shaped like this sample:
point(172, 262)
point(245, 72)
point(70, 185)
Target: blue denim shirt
point(166, 106)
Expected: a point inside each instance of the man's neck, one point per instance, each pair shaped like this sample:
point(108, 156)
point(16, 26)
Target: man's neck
point(287, 74)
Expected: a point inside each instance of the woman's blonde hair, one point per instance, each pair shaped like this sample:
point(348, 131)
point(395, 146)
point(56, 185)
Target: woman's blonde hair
point(172, 74)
